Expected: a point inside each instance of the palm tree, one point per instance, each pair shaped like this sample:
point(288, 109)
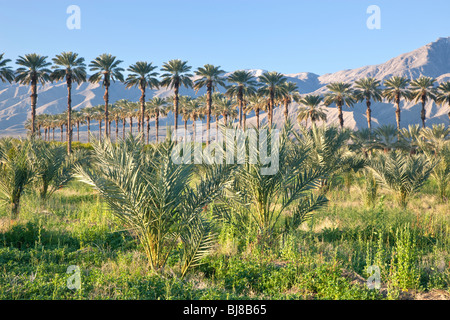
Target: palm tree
point(158, 107)
point(185, 111)
point(226, 108)
point(6, 73)
point(272, 87)
point(368, 89)
point(290, 93)
point(396, 89)
point(98, 115)
point(243, 84)
point(310, 109)
point(340, 94)
point(88, 115)
point(196, 112)
point(69, 66)
point(78, 118)
point(176, 75)
point(423, 89)
point(16, 172)
point(122, 110)
point(142, 76)
point(443, 95)
point(33, 70)
point(257, 102)
point(211, 78)
point(402, 175)
point(107, 70)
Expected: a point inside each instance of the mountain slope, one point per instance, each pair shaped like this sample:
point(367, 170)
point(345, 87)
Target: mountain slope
point(431, 60)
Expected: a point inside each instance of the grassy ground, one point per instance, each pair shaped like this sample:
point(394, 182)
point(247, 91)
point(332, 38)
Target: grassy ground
point(326, 258)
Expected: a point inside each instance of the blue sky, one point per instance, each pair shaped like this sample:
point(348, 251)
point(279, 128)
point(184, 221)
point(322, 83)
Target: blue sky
point(288, 36)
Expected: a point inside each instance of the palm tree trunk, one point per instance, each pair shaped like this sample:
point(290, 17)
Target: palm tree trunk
point(124, 123)
point(176, 99)
point(61, 129)
point(100, 130)
point(78, 131)
point(106, 98)
point(341, 116)
point(208, 113)
point(185, 130)
point(369, 114)
point(271, 103)
point(69, 114)
point(88, 119)
point(142, 99)
point(33, 105)
point(53, 134)
point(157, 127)
point(397, 111)
point(422, 113)
point(286, 110)
point(257, 118)
point(148, 129)
point(241, 107)
point(117, 128)
point(131, 125)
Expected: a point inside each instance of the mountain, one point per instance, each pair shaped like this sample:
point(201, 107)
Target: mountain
point(431, 60)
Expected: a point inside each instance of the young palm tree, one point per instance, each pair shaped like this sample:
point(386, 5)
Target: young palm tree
point(158, 107)
point(443, 95)
point(368, 89)
point(243, 84)
point(272, 87)
point(403, 175)
point(310, 109)
point(290, 93)
point(69, 66)
point(6, 73)
point(176, 75)
point(157, 198)
point(396, 89)
point(340, 94)
point(196, 112)
point(422, 90)
point(142, 76)
point(210, 77)
point(116, 113)
point(33, 70)
point(16, 172)
point(185, 111)
point(106, 69)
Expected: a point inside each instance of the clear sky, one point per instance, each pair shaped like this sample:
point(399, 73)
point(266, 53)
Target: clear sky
point(288, 36)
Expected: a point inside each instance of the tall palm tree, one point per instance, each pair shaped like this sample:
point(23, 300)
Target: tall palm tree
point(176, 75)
point(340, 94)
point(33, 70)
point(290, 92)
point(257, 102)
point(443, 95)
point(88, 113)
point(142, 76)
point(122, 108)
point(106, 69)
point(69, 66)
point(368, 89)
point(243, 84)
point(310, 109)
point(396, 89)
point(185, 111)
point(158, 107)
point(422, 90)
point(210, 77)
point(272, 86)
point(6, 73)
point(78, 119)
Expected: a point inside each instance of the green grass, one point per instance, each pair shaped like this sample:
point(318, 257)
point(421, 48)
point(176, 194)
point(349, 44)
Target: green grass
point(326, 258)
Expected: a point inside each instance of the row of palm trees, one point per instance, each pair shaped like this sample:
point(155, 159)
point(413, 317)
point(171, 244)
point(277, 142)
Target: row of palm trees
point(243, 90)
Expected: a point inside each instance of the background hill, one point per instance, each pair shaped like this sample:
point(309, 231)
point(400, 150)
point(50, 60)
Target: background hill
point(431, 60)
